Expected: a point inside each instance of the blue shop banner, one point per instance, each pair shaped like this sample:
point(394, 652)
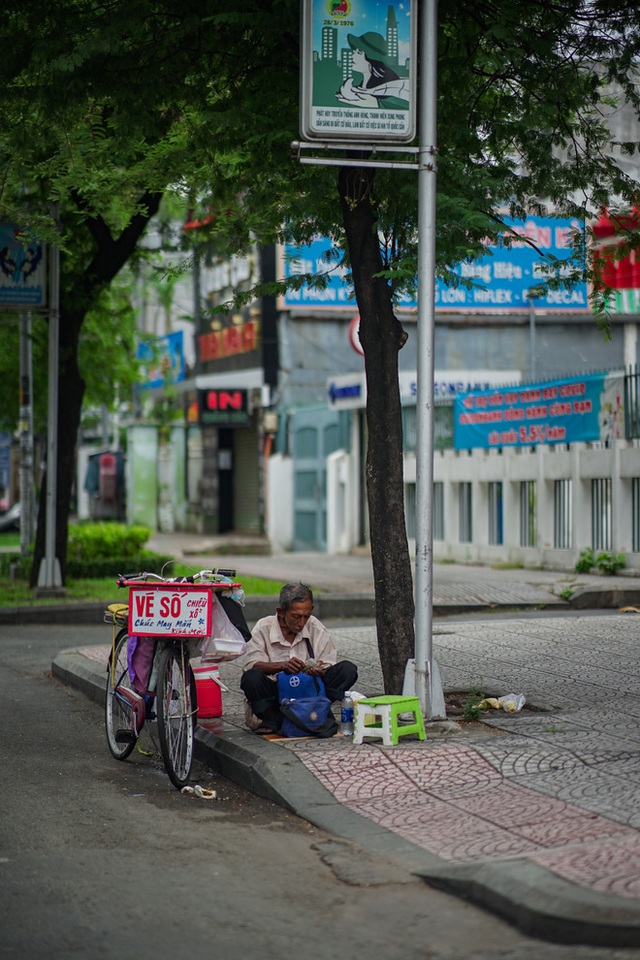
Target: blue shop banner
point(512, 268)
point(558, 411)
point(500, 281)
point(162, 361)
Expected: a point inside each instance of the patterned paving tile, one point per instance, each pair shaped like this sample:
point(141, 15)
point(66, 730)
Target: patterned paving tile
point(591, 790)
point(571, 826)
point(453, 800)
point(467, 840)
point(587, 745)
point(624, 765)
point(448, 767)
point(444, 831)
point(613, 867)
point(509, 805)
point(624, 723)
point(521, 756)
point(356, 775)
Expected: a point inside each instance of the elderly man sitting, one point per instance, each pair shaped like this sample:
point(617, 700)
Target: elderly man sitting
point(284, 642)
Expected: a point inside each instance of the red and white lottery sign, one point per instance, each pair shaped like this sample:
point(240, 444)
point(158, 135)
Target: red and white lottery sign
point(164, 611)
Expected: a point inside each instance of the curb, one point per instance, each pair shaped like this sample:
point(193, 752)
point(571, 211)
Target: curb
point(333, 606)
point(542, 904)
point(327, 607)
point(602, 598)
point(536, 901)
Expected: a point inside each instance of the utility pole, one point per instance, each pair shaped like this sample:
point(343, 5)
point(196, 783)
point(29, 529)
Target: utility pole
point(49, 576)
point(26, 436)
point(428, 686)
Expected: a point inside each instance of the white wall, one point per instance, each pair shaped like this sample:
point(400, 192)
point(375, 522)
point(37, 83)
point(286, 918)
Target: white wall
point(279, 502)
point(581, 463)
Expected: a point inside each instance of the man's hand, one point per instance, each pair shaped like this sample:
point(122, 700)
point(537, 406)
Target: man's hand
point(272, 667)
point(316, 668)
point(294, 665)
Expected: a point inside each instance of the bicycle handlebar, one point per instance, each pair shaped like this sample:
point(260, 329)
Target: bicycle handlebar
point(125, 579)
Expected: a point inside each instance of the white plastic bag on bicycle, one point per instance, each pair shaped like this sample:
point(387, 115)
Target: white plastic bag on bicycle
point(226, 642)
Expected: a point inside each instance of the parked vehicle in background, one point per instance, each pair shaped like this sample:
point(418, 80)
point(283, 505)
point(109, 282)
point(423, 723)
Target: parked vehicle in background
point(10, 519)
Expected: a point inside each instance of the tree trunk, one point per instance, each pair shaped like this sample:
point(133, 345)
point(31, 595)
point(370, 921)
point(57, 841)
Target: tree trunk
point(381, 336)
point(77, 296)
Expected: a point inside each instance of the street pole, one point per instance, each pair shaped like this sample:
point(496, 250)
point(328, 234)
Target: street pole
point(532, 339)
point(26, 436)
point(49, 577)
point(427, 680)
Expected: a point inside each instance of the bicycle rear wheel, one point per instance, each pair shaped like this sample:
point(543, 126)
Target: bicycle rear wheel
point(118, 704)
point(176, 708)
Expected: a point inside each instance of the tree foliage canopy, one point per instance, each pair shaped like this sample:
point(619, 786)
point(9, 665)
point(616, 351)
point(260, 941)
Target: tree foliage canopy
point(104, 103)
point(108, 106)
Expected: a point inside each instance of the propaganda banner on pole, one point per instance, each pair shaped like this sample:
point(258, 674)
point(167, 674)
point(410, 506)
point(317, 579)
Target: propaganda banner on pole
point(22, 269)
point(359, 63)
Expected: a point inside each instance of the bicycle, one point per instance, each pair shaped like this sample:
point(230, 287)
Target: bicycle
point(168, 615)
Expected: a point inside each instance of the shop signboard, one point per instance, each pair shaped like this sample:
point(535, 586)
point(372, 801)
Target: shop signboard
point(359, 70)
point(500, 281)
point(224, 408)
point(579, 409)
point(348, 391)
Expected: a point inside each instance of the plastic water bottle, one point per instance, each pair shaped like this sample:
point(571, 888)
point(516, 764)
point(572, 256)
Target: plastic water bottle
point(346, 716)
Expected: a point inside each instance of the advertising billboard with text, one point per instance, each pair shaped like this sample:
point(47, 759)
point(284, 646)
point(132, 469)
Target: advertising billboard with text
point(574, 410)
point(359, 70)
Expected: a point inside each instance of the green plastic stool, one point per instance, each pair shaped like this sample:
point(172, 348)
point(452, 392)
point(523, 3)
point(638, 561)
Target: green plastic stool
point(386, 726)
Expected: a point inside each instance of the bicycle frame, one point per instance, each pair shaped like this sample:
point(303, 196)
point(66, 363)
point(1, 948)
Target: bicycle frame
point(171, 612)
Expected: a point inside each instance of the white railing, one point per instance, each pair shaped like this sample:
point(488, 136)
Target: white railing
point(546, 503)
point(555, 502)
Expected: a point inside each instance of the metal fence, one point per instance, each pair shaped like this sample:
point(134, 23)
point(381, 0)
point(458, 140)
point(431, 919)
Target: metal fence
point(528, 513)
point(562, 514)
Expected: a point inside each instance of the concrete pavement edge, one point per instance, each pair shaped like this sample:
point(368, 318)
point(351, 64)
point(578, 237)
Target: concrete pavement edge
point(542, 904)
point(328, 606)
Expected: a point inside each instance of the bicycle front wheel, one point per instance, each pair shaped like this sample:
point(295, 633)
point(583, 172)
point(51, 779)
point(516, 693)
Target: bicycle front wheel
point(176, 709)
point(118, 711)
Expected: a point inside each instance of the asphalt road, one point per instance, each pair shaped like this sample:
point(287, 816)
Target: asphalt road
point(100, 859)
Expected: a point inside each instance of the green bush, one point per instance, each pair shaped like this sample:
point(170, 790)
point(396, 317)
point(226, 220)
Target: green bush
point(586, 561)
point(606, 562)
point(104, 541)
point(91, 569)
point(9, 561)
point(609, 563)
point(13, 565)
point(96, 550)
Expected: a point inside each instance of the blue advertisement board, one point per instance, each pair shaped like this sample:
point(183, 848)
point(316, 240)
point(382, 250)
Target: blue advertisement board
point(22, 268)
point(162, 360)
point(500, 280)
point(311, 258)
point(558, 411)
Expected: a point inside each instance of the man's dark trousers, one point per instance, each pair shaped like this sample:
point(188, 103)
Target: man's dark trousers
point(261, 689)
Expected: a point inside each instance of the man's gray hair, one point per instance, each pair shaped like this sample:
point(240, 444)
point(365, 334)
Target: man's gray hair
point(294, 593)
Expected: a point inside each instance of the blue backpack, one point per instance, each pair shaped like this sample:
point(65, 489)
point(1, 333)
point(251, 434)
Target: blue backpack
point(305, 706)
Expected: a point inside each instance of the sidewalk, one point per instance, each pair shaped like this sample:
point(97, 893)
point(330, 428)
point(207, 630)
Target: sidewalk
point(457, 588)
point(535, 815)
